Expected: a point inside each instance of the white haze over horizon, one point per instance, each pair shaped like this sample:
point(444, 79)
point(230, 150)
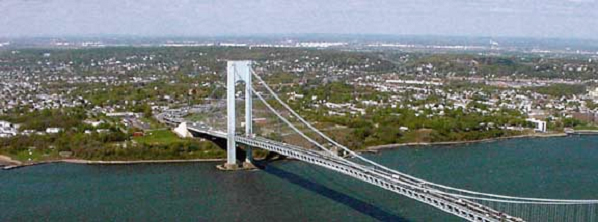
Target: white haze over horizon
point(513, 18)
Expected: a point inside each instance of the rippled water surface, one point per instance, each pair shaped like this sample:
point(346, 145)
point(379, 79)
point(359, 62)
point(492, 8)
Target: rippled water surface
point(564, 167)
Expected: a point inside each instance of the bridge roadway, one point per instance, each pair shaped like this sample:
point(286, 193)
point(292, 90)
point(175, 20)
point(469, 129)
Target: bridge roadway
point(405, 186)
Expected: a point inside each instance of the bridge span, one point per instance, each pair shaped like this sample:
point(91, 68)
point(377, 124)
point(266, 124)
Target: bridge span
point(395, 183)
point(466, 204)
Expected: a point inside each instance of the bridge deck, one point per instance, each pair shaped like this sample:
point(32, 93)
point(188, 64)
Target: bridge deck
point(405, 186)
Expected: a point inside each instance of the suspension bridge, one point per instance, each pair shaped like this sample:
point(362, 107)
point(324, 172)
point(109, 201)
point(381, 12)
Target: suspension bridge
point(466, 204)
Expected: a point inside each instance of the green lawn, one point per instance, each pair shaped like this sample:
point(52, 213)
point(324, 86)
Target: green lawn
point(159, 137)
point(590, 127)
point(36, 155)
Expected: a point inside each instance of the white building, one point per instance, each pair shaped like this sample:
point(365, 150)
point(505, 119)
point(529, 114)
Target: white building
point(122, 114)
point(540, 125)
point(7, 129)
point(594, 94)
point(53, 130)
point(94, 123)
point(5, 124)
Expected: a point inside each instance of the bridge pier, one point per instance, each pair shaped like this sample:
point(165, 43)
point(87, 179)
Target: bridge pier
point(238, 71)
point(248, 163)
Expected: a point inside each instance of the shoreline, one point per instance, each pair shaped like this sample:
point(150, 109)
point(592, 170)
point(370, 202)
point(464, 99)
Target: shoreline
point(447, 143)
point(125, 162)
point(12, 164)
point(9, 163)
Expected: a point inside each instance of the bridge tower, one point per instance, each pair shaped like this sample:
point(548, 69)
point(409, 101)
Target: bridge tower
point(237, 71)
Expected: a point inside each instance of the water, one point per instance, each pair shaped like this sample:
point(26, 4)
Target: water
point(294, 191)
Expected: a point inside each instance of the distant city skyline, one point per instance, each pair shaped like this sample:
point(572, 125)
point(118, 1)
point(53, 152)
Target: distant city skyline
point(158, 18)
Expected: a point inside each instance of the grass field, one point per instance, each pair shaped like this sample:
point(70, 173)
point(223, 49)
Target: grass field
point(590, 127)
point(159, 137)
point(33, 155)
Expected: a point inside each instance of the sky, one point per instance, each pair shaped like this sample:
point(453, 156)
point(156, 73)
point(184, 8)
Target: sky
point(488, 18)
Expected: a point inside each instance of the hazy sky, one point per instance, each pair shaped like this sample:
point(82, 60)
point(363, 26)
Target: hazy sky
point(535, 18)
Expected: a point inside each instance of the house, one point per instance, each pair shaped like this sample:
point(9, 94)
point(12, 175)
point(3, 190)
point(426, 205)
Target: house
point(121, 114)
point(94, 123)
point(594, 94)
point(295, 96)
point(540, 125)
point(260, 121)
point(7, 129)
point(53, 130)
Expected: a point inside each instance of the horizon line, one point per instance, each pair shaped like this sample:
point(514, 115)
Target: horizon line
point(279, 35)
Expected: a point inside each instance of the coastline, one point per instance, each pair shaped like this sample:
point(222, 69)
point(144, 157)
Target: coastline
point(9, 163)
point(125, 162)
point(446, 143)
point(12, 164)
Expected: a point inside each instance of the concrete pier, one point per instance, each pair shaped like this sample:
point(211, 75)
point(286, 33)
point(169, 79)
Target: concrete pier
point(236, 167)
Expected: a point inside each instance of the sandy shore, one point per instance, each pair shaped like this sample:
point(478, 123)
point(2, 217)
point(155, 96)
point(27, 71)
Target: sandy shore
point(396, 145)
point(4, 160)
